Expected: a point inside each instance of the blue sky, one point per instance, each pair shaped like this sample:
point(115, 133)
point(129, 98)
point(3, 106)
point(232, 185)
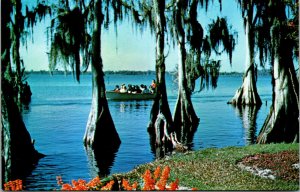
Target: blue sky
point(132, 50)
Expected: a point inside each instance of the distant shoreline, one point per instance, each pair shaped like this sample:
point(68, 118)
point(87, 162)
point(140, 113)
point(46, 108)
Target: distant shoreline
point(127, 72)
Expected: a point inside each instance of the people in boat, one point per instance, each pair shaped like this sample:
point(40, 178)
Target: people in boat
point(153, 86)
point(123, 89)
point(144, 89)
point(117, 88)
point(130, 88)
point(136, 89)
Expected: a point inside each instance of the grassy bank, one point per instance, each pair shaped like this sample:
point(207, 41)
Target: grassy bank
point(216, 169)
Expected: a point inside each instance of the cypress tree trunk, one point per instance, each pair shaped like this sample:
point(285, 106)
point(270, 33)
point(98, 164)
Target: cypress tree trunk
point(282, 123)
point(100, 131)
point(18, 152)
point(18, 28)
point(185, 118)
point(23, 96)
point(160, 105)
point(247, 94)
point(16, 43)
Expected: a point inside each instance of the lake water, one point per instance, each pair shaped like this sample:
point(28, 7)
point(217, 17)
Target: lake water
point(59, 109)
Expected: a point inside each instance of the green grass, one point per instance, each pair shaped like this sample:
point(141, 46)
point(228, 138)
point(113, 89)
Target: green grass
point(216, 169)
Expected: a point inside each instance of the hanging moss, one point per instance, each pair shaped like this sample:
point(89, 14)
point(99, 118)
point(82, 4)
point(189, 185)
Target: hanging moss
point(69, 39)
point(219, 32)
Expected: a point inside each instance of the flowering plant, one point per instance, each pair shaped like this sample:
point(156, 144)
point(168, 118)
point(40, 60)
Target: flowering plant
point(15, 185)
point(148, 182)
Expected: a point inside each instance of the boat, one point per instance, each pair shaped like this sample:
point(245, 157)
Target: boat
point(112, 95)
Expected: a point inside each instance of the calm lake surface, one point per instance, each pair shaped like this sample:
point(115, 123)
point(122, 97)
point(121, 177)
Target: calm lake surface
point(59, 110)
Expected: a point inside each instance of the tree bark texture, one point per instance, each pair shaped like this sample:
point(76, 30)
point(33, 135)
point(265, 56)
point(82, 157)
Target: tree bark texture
point(282, 123)
point(247, 94)
point(17, 29)
point(185, 118)
point(100, 131)
point(160, 106)
point(18, 153)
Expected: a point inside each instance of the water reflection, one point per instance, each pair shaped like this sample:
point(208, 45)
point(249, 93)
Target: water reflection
point(123, 106)
point(101, 160)
point(248, 115)
point(162, 146)
point(159, 150)
point(187, 135)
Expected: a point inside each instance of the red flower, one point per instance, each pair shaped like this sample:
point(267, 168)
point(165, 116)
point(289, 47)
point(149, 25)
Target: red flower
point(161, 184)
point(66, 187)
point(15, 185)
point(126, 185)
point(149, 183)
point(108, 186)
point(156, 173)
point(174, 185)
point(94, 183)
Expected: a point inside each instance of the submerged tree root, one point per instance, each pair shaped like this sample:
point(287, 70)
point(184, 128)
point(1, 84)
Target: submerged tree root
point(242, 97)
point(247, 94)
point(163, 137)
point(279, 126)
point(100, 130)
